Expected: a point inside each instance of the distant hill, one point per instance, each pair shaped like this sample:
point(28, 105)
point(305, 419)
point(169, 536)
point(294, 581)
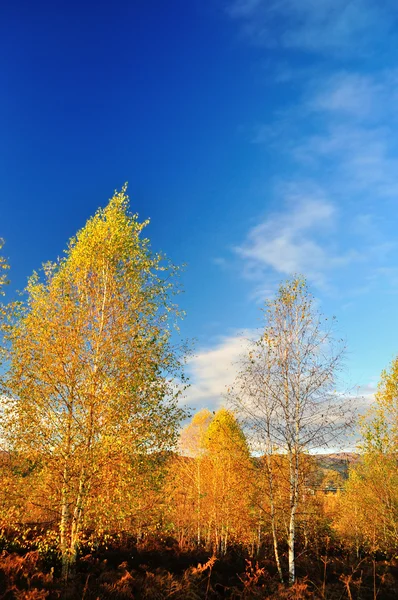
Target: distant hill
point(340, 462)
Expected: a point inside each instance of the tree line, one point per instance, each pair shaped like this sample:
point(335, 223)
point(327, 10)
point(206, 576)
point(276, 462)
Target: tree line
point(92, 384)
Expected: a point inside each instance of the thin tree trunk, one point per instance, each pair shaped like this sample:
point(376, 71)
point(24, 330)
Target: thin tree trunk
point(217, 541)
point(273, 517)
point(76, 521)
point(292, 522)
point(64, 526)
point(208, 540)
point(199, 499)
point(291, 541)
point(258, 535)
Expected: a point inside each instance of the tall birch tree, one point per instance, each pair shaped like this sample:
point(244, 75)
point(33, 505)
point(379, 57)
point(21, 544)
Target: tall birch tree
point(93, 373)
point(285, 391)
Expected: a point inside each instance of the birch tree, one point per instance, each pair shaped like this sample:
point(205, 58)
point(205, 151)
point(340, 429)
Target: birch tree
point(93, 374)
point(229, 469)
point(285, 391)
point(369, 507)
point(192, 444)
point(210, 486)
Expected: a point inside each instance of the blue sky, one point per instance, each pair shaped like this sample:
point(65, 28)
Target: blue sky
point(258, 135)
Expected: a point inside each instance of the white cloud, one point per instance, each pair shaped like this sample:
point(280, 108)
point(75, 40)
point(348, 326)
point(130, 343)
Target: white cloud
point(288, 242)
point(214, 368)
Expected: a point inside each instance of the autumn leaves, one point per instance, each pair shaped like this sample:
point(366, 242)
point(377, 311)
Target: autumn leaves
point(209, 483)
point(91, 371)
point(90, 417)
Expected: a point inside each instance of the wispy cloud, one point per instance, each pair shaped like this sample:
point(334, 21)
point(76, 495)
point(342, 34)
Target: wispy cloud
point(355, 121)
point(289, 241)
point(348, 94)
point(339, 138)
point(337, 27)
point(244, 8)
point(363, 158)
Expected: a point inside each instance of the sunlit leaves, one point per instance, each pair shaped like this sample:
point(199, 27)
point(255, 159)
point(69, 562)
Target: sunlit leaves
point(94, 376)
